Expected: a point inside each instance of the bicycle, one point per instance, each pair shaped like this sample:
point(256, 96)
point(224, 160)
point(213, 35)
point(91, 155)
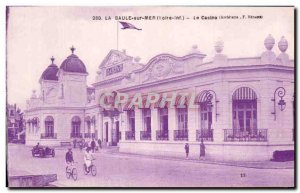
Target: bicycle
point(71, 171)
point(91, 169)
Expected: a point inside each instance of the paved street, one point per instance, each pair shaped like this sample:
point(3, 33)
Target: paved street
point(121, 170)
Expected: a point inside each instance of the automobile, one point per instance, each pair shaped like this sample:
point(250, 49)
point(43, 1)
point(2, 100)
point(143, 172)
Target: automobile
point(42, 151)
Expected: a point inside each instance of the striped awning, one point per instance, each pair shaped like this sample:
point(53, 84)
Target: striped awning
point(244, 93)
point(127, 106)
point(179, 99)
point(204, 96)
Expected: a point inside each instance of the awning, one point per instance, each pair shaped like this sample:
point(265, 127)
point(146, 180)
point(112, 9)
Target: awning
point(204, 96)
point(244, 93)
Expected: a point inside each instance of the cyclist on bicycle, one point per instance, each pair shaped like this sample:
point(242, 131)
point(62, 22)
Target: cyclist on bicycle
point(69, 157)
point(88, 157)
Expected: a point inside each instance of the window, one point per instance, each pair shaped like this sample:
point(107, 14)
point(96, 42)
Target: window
point(131, 120)
point(49, 126)
point(76, 127)
point(205, 116)
point(163, 119)
point(147, 120)
point(182, 118)
point(244, 110)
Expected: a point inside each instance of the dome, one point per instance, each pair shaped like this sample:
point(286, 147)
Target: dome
point(51, 72)
point(73, 64)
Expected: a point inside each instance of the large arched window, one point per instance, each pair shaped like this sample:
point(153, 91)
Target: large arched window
point(244, 110)
point(76, 127)
point(49, 127)
point(206, 101)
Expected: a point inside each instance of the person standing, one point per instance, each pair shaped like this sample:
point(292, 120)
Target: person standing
point(187, 149)
point(202, 150)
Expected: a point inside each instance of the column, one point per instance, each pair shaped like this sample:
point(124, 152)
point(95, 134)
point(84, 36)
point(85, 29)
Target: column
point(100, 126)
point(111, 127)
point(123, 125)
point(172, 122)
point(138, 123)
point(192, 123)
point(154, 123)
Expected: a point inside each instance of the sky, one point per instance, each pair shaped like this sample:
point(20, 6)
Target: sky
point(35, 34)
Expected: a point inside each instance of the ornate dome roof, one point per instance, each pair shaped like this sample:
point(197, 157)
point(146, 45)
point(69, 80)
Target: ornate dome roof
point(51, 72)
point(73, 64)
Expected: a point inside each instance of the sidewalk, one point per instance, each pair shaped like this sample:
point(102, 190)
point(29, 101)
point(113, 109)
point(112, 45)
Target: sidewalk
point(246, 164)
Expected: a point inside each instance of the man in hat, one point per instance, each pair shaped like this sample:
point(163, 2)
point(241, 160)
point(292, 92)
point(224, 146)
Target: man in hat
point(69, 157)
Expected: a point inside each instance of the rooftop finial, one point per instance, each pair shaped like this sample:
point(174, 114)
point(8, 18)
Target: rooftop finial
point(52, 59)
point(72, 49)
point(283, 44)
point(219, 45)
point(269, 42)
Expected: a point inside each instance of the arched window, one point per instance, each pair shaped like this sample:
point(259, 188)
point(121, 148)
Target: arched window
point(244, 110)
point(205, 101)
point(49, 127)
point(76, 127)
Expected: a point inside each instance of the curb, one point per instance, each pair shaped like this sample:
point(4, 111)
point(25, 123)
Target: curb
point(198, 161)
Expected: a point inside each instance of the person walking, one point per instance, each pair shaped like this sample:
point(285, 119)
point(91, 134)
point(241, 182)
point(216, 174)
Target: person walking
point(187, 149)
point(202, 150)
point(99, 143)
point(93, 145)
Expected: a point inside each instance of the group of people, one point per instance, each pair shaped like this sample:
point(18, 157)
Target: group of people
point(88, 158)
point(202, 150)
point(93, 144)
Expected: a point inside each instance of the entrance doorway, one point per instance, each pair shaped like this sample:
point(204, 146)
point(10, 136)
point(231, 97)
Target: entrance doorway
point(115, 134)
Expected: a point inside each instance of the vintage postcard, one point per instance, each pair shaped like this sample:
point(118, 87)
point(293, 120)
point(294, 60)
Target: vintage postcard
point(155, 96)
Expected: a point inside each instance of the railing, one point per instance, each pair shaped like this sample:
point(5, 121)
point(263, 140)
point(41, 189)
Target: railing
point(181, 135)
point(205, 134)
point(48, 136)
point(76, 135)
point(130, 135)
point(145, 135)
point(238, 135)
point(162, 135)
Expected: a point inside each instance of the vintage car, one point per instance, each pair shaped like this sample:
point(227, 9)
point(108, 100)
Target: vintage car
point(42, 151)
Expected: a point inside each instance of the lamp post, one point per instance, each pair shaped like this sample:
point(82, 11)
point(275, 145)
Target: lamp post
point(280, 92)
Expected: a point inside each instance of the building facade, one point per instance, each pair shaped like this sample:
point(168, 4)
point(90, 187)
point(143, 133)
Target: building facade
point(243, 108)
point(15, 124)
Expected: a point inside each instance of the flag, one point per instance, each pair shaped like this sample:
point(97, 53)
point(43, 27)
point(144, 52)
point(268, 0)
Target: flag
point(127, 25)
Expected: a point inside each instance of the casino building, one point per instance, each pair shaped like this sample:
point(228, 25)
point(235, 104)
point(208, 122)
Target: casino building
point(244, 107)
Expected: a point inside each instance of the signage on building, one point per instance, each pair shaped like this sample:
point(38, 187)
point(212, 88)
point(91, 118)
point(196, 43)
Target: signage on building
point(115, 69)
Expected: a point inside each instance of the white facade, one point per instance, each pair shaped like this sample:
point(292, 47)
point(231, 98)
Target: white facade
point(241, 122)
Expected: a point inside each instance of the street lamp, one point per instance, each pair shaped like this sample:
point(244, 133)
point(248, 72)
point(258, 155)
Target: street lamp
point(280, 91)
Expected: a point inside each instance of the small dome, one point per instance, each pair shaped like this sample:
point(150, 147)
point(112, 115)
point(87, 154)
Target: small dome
point(269, 42)
point(283, 44)
point(51, 72)
point(73, 64)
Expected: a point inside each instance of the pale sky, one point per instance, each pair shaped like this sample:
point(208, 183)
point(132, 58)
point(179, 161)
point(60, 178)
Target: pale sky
point(36, 33)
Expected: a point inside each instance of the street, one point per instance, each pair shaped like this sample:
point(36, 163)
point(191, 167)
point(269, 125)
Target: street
point(121, 170)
